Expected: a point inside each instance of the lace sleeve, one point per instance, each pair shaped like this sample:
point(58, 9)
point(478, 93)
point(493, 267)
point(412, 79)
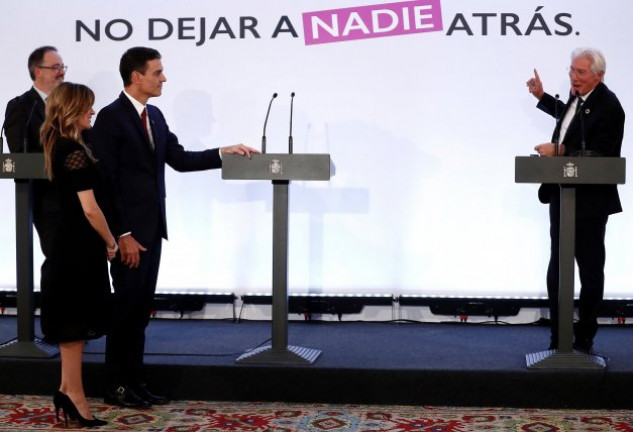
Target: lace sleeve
point(76, 160)
point(77, 166)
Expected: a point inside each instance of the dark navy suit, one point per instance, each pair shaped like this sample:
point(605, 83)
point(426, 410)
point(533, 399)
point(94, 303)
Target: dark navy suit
point(135, 202)
point(603, 119)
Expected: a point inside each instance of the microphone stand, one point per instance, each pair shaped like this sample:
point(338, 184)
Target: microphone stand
point(557, 136)
point(290, 141)
point(26, 127)
point(266, 122)
point(583, 144)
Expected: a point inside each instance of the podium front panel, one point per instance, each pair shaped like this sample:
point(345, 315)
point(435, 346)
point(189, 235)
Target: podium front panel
point(570, 170)
point(271, 166)
point(22, 165)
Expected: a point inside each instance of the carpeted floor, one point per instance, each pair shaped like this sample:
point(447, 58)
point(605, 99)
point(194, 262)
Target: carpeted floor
point(35, 413)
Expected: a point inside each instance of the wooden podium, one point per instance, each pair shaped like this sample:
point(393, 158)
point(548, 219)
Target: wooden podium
point(23, 168)
point(567, 172)
point(280, 169)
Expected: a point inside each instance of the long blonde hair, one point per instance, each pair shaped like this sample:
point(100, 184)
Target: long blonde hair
point(65, 107)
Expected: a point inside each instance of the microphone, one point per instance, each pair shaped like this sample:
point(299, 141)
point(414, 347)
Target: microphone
point(266, 122)
point(557, 127)
point(2, 138)
point(292, 98)
point(8, 113)
point(26, 126)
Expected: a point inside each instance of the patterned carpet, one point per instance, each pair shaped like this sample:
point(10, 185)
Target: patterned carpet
point(35, 413)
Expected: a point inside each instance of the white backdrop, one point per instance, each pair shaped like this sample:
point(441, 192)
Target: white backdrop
point(423, 129)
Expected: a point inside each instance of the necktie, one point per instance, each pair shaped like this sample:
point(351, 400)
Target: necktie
point(579, 103)
point(144, 121)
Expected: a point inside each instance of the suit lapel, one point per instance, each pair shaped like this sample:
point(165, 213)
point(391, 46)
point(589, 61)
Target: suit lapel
point(151, 115)
point(574, 133)
point(585, 110)
point(154, 119)
point(574, 119)
point(39, 110)
point(136, 121)
point(562, 117)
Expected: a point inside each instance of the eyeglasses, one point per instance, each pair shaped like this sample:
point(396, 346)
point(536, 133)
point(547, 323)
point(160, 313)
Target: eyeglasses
point(581, 73)
point(55, 68)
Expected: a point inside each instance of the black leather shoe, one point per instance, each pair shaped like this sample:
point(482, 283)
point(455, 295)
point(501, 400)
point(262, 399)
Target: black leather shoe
point(154, 399)
point(553, 343)
point(125, 397)
point(583, 344)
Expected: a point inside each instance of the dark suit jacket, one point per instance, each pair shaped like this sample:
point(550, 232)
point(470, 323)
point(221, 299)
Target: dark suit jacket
point(603, 118)
point(134, 172)
point(26, 108)
point(23, 118)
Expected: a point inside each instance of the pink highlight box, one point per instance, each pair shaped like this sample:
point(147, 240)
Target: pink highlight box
point(366, 22)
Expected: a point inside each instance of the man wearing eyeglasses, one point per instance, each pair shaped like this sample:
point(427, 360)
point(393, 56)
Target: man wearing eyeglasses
point(25, 114)
point(22, 121)
point(591, 122)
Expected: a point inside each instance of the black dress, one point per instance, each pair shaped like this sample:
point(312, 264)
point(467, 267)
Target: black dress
point(76, 296)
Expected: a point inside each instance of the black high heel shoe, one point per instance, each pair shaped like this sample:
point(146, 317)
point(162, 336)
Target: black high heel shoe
point(60, 400)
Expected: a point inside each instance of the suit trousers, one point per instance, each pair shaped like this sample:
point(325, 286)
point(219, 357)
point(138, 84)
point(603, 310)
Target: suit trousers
point(133, 296)
point(590, 257)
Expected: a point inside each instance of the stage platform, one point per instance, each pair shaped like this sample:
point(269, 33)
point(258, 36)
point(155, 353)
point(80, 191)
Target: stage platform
point(361, 362)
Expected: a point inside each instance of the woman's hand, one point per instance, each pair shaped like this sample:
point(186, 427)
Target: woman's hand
point(111, 251)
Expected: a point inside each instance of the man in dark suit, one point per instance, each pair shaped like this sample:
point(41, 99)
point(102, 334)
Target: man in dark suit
point(132, 143)
point(23, 118)
point(593, 113)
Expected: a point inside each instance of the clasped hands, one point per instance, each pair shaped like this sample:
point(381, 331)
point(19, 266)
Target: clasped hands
point(130, 251)
point(111, 251)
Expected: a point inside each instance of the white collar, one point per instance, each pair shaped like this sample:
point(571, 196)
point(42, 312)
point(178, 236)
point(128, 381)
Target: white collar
point(586, 95)
point(137, 105)
point(41, 93)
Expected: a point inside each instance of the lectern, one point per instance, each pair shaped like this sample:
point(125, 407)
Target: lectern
point(23, 168)
point(280, 169)
point(567, 172)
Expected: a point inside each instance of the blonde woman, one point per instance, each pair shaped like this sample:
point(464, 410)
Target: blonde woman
point(76, 294)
